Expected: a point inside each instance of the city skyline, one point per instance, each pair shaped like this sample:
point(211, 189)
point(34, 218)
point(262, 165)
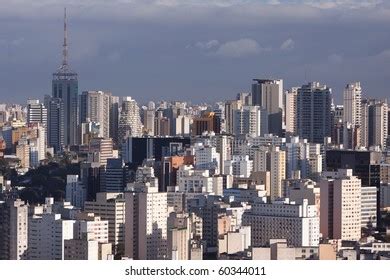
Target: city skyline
point(208, 65)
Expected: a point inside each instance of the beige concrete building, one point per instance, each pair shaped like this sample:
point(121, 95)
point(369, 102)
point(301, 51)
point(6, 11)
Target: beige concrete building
point(340, 205)
point(111, 207)
point(146, 224)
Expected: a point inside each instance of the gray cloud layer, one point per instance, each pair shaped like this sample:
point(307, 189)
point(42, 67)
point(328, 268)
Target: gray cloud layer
point(194, 49)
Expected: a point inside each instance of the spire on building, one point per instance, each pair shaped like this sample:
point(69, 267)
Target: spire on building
point(65, 45)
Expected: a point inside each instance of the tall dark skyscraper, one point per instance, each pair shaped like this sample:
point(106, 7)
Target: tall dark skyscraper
point(65, 87)
point(314, 112)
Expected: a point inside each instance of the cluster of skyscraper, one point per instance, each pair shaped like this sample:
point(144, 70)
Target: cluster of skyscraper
point(272, 174)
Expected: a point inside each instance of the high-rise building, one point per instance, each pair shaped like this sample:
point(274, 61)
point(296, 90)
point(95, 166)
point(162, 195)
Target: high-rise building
point(314, 112)
point(291, 111)
point(130, 120)
point(101, 149)
point(47, 233)
point(114, 119)
point(268, 94)
point(136, 149)
point(111, 207)
point(55, 127)
point(341, 196)
point(365, 165)
point(208, 122)
point(374, 128)
point(113, 179)
point(95, 106)
point(252, 120)
point(299, 224)
point(146, 224)
point(36, 113)
point(230, 107)
point(352, 115)
point(75, 191)
point(149, 119)
point(14, 230)
point(65, 87)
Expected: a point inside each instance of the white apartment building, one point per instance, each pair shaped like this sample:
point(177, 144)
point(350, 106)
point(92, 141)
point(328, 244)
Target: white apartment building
point(206, 157)
point(198, 181)
point(299, 224)
point(110, 207)
point(46, 235)
point(252, 120)
point(341, 198)
point(239, 166)
point(146, 224)
point(18, 231)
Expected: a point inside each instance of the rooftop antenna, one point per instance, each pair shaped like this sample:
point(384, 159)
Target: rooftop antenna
point(65, 45)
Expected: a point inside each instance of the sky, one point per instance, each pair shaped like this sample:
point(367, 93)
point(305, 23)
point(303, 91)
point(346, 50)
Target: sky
point(195, 50)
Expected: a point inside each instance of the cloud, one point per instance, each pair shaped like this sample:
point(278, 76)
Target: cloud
point(288, 45)
point(239, 48)
point(384, 54)
point(207, 45)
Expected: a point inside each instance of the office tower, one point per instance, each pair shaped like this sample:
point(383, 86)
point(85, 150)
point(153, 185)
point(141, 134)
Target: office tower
point(149, 118)
point(46, 236)
point(268, 94)
point(230, 107)
point(55, 126)
point(65, 87)
point(101, 149)
point(36, 113)
point(369, 200)
point(340, 193)
point(146, 224)
point(374, 131)
point(352, 115)
point(337, 126)
point(314, 112)
point(75, 191)
point(110, 207)
point(114, 176)
point(378, 125)
point(137, 149)
point(129, 121)
point(90, 175)
point(14, 230)
point(114, 119)
point(299, 224)
point(95, 106)
point(291, 111)
point(365, 165)
point(250, 120)
point(208, 122)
